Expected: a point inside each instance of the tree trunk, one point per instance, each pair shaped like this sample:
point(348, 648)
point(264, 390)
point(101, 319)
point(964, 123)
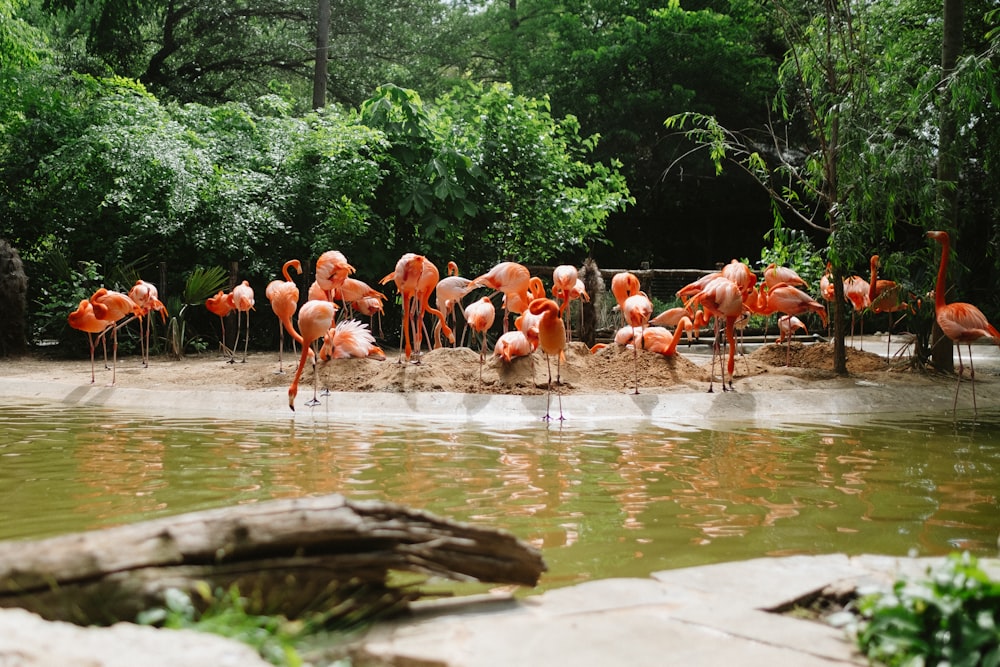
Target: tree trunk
point(839, 323)
point(948, 163)
point(289, 557)
point(322, 54)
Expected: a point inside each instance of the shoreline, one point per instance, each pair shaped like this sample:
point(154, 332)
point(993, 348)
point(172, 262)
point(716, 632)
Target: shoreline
point(839, 400)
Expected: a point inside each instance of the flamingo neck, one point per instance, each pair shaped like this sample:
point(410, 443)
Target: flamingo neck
point(871, 285)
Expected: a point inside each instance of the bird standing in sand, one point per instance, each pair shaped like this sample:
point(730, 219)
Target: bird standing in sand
point(961, 322)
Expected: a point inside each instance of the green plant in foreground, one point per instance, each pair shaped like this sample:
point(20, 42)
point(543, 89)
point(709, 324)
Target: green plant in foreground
point(226, 615)
point(951, 618)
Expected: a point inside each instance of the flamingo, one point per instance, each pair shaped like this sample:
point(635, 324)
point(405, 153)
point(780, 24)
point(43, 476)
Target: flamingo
point(426, 284)
point(885, 296)
point(552, 340)
point(961, 322)
point(741, 274)
point(577, 291)
point(350, 339)
point(564, 282)
point(480, 315)
point(111, 307)
point(792, 301)
point(624, 285)
point(147, 298)
point(407, 277)
point(637, 309)
point(721, 299)
point(856, 291)
point(511, 278)
point(284, 298)
point(370, 307)
point(315, 319)
point(448, 294)
point(332, 270)
point(826, 289)
point(673, 317)
point(352, 290)
point(83, 319)
point(787, 325)
point(242, 298)
point(513, 344)
point(659, 340)
point(221, 304)
point(775, 275)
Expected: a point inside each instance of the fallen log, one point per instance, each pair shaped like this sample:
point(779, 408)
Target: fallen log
point(320, 554)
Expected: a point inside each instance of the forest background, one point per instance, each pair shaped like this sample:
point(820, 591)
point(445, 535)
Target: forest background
point(159, 138)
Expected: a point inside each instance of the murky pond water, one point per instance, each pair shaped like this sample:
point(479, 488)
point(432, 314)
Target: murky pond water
point(600, 503)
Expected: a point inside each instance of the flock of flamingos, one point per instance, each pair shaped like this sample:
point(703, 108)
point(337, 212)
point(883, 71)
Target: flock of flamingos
point(727, 297)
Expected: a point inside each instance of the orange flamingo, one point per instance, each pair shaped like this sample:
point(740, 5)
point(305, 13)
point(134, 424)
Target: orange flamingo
point(696, 286)
point(242, 297)
point(856, 291)
point(721, 299)
point(370, 307)
point(741, 274)
point(112, 307)
point(448, 295)
point(147, 298)
point(352, 291)
point(315, 319)
point(518, 303)
point(429, 278)
point(512, 279)
point(284, 298)
point(826, 290)
point(416, 277)
point(623, 285)
point(513, 344)
point(776, 275)
point(961, 322)
point(332, 270)
point(83, 319)
point(407, 278)
point(350, 339)
point(637, 309)
point(480, 315)
point(792, 301)
point(885, 296)
point(221, 304)
point(659, 340)
point(578, 291)
point(787, 326)
point(564, 278)
point(552, 340)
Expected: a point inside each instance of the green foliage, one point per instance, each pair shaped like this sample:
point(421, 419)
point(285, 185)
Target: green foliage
point(484, 174)
point(225, 613)
point(794, 249)
point(201, 284)
point(952, 617)
point(59, 294)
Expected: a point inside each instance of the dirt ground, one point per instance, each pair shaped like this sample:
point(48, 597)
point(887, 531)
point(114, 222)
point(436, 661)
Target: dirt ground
point(611, 370)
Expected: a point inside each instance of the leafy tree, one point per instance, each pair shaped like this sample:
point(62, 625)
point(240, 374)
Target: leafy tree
point(210, 52)
point(619, 68)
point(486, 174)
point(854, 158)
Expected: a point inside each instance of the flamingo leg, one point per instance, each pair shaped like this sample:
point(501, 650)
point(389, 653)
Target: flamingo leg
point(246, 337)
point(281, 347)
point(236, 343)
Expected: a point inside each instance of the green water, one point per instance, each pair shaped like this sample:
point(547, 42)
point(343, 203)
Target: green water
point(599, 503)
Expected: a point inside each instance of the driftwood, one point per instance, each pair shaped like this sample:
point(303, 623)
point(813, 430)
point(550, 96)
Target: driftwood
point(322, 554)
